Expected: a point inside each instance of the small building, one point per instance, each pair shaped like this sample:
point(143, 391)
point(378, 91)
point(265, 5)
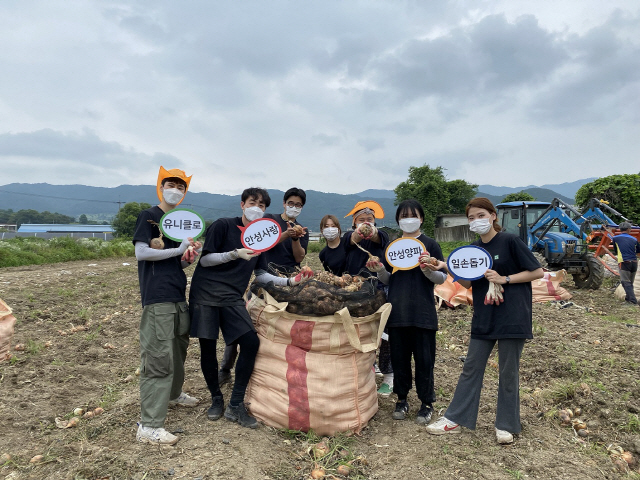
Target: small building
point(64, 228)
point(9, 227)
point(453, 227)
point(43, 230)
point(451, 220)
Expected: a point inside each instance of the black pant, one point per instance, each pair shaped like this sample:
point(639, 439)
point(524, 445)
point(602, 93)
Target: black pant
point(249, 344)
point(229, 357)
point(421, 344)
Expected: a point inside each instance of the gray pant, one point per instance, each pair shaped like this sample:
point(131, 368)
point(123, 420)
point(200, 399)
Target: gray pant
point(627, 278)
point(164, 338)
point(466, 401)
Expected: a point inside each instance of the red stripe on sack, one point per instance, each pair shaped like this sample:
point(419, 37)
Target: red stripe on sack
point(295, 354)
point(550, 288)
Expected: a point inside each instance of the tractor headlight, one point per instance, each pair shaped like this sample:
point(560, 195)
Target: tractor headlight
point(563, 245)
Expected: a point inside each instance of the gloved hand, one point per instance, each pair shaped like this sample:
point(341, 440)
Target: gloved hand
point(375, 265)
point(246, 253)
point(302, 276)
point(366, 230)
point(190, 255)
point(494, 294)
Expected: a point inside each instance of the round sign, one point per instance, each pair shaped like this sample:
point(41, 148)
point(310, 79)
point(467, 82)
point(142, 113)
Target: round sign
point(469, 262)
point(181, 223)
point(260, 235)
point(404, 253)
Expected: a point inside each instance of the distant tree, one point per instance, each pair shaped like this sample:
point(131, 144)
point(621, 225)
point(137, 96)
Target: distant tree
point(7, 216)
point(621, 191)
point(437, 195)
point(83, 220)
point(520, 196)
point(124, 223)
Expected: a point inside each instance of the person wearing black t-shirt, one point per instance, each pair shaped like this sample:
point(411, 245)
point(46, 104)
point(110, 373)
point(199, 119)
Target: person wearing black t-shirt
point(292, 248)
point(283, 258)
point(164, 326)
point(333, 255)
point(217, 304)
point(413, 321)
point(502, 313)
point(366, 235)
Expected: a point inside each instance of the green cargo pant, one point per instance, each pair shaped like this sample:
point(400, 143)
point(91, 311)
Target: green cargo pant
point(164, 338)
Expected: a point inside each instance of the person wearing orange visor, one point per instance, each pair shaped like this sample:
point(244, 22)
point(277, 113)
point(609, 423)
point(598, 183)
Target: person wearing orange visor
point(366, 234)
point(164, 326)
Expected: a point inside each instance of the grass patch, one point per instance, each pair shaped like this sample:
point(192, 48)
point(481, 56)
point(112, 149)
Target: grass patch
point(110, 396)
point(632, 425)
point(562, 391)
point(330, 454)
point(19, 251)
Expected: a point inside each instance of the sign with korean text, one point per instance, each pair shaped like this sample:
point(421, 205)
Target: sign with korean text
point(260, 235)
point(181, 223)
point(469, 262)
point(404, 253)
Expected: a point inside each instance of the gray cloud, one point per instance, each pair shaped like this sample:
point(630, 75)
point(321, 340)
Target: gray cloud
point(85, 147)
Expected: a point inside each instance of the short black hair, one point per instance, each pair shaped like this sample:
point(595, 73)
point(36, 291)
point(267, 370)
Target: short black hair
point(410, 205)
point(174, 180)
point(257, 193)
point(295, 192)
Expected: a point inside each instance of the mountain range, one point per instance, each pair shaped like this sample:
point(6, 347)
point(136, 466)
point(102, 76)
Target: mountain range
point(100, 203)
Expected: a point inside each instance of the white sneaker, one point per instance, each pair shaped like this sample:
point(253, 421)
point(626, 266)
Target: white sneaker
point(184, 400)
point(503, 436)
point(377, 371)
point(443, 425)
point(158, 436)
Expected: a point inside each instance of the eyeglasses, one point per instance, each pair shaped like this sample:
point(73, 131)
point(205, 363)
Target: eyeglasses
point(297, 205)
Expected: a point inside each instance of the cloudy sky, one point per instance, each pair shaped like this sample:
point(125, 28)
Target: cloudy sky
point(337, 96)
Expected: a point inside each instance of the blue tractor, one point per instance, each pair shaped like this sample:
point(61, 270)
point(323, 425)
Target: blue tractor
point(556, 233)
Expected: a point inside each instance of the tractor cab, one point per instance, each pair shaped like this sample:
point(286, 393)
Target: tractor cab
point(516, 217)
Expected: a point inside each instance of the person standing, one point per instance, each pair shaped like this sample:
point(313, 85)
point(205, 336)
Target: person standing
point(413, 322)
point(164, 326)
point(365, 234)
point(508, 324)
point(285, 257)
point(216, 303)
point(333, 255)
point(627, 249)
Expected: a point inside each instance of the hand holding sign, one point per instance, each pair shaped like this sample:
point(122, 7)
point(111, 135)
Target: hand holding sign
point(260, 235)
point(404, 253)
point(469, 262)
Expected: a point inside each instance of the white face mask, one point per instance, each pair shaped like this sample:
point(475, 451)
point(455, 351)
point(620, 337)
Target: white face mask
point(172, 196)
point(480, 226)
point(409, 225)
point(330, 233)
point(253, 213)
point(292, 212)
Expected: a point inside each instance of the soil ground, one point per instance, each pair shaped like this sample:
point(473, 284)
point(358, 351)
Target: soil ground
point(578, 358)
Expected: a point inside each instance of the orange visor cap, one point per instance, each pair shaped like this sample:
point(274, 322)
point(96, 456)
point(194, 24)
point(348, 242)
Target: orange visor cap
point(378, 212)
point(173, 173)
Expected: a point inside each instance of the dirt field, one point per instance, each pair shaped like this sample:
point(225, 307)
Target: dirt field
point(578, 359)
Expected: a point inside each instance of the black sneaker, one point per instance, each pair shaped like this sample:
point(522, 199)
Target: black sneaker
point(239, 414)
point(224, 376)
point(400, 413)
point(215, 410)
point(424, 414)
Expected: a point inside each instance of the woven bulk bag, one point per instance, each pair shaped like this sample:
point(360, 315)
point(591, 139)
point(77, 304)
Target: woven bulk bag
point(547, 288)
point(7, 322)
point(314, 372)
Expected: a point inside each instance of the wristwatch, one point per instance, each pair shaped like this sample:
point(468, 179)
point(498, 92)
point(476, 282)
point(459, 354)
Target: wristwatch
point(295, 239)
point(507, 279)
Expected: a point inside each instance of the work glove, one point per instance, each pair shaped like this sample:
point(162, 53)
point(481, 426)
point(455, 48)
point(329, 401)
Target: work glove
point(245, 253)
point(494, 294)
point(375, 265)
point(302, 276)
point(366, 230)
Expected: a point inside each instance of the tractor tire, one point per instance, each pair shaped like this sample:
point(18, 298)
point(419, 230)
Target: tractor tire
point(594, 275)
point(541, 260)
